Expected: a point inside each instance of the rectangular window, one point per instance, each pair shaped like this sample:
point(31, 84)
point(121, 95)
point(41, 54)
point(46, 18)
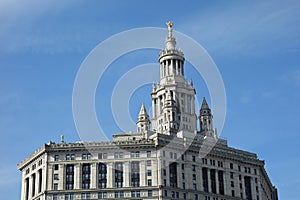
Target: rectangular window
point(55, 176)
point(148, 162)
point(55, 197)
point(205, 179)
point(196, 197)
point(85, 196)
point(221, 182)
point(149, 173)
point(119, 175)
point(194, 158)
point(194, 186)
point(68, 157)
point(175, 155)
point(148, 154)
point(184, 195)
point(165, 193)
point(173, 174)
point(83, 156)
point(194, 177)
point(248, 192)
point(72, 157)
point(121, 194)
point(55, 186)
point(231, 175)
point(231, 165)
point(183, 176)
point(182, 157)
point(56, 157)
point(232, 193)
point(116, 194)
point(183, 185)
point(193, 168)
point(213, 181)
point(149, 193)
point(56, 167)
point(86, 176)
point(102, 175)
point(116, 155)
point(135, 174)
point(149, 181)
point(102, 195)
point(69, 177)
point(135, 154)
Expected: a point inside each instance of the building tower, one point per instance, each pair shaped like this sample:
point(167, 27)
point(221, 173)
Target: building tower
point(173, 90)
point(143, 121)
point(206, 119)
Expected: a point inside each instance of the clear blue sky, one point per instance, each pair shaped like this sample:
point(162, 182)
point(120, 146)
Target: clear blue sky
point(255, 45)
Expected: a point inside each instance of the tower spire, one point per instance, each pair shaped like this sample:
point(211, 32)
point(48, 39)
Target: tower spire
point(143, 121)
point(170, 28)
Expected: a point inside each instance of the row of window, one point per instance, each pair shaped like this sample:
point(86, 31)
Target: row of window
point(88, 156)
point(33, 167)
point(104, 195)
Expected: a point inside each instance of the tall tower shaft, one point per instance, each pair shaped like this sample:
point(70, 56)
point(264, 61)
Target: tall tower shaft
point(173, 98)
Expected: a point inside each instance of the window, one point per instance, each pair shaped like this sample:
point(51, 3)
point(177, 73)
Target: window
point(183, 176)
point(55, 197)
point(83, 156)
point(164, 154)
point(239, 168)
point(182, 157)
point(149, 182)
point(148, 162)
point(194, 158)
point(232, 184)
point(255, 171)
point(231, 175)
point(27, 171)
point(172, 194)
point(175, 155)
point(102, 175)
point(56, 157)
point(86, 156)
point(121, 194)
point(182, 166)
point(232, 193)
point(240, 177)
point(171, 154)
point(86, 176)
point(204, 160)
point(135, 154)
point(194, 177)
point(184, 195)
point(194, 186)
point(231, 165)
point(69, 177)
point(102, 195)
point(148, 154)
point(72, 157)
point(183, 185)
point(56, 167)
point(68, 157)
point(85, 196)
point(116, 155)
point(196, 197)
point(177, 195)
point(194, 168)
point(69, 196)
point(55, 186)
point(149, 173)
point(220, 164)
point(33, 167)
point(165, 193)
point(149, 193)
point(255, 180)
point(165, 182)
point(55, 176)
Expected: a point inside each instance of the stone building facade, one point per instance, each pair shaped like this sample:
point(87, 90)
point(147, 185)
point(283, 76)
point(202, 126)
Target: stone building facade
point(166, 158)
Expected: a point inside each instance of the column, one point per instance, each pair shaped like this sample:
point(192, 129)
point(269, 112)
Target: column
point(77, 176)
point(94, 175)
point(179, 175)
point(110, 175)
point(208, 180)
point(172, 67)
point(30, 187)
point(199, 178)
point(62, 177)
point(143, 173)
point(37, 181)
point(126, 174)
point(217, 181)
point(176, 67)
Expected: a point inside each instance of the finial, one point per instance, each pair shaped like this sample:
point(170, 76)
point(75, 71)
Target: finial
point(62, 139)
point(170, 28)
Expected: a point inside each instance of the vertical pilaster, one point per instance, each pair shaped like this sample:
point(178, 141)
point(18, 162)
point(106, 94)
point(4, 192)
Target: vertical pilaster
point(142, 173)
point(77, 176)
point(110, 175)
point(208, 180)
point(94, 175)
point(126, 173)
point(62, 177)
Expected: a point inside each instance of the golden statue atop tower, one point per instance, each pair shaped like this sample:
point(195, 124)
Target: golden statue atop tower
point(170, 28)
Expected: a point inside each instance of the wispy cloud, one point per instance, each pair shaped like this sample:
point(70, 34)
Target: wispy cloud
point(245, 27)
